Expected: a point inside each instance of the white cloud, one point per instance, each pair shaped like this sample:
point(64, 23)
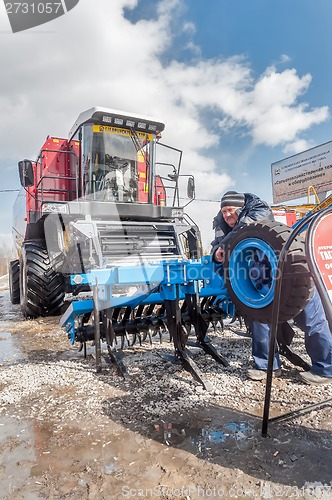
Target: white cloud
point(277, 118)
point(298, 146)
point(189, 28)
point(284, 58)
point(95, 56)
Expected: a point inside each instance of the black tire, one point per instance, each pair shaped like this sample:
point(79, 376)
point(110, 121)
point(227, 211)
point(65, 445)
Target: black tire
point(297, 284)
point(41, 287)
point(14, 281)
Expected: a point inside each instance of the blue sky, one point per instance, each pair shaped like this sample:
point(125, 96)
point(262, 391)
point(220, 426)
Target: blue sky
point(240, 84)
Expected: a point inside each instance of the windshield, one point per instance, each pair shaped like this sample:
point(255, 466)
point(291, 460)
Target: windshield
point(115, 163)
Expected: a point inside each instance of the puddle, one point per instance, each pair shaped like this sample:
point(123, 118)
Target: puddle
point(31, 449)
point(203, 440)
point(16, 453)
point(9, 351)
point(9, 313)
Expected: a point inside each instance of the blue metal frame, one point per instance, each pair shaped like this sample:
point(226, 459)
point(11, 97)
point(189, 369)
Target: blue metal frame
point(165, 280)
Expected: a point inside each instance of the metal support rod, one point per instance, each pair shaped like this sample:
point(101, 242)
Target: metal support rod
point(274, 319)
point(301, 411)
point(96, 327)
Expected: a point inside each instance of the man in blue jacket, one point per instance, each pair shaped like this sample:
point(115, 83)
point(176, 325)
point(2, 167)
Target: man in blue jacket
point(236, 210)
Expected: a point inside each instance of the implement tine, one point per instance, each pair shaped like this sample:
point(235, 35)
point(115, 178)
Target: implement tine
point(285, 334)
point(201, 328)
point(180, 338)
point(111, 342)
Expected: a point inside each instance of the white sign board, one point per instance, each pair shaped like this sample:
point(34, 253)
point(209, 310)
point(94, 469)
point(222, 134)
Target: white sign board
point(291, 177)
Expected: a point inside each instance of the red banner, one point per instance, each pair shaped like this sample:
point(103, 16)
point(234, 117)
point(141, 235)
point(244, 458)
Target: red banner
point(322, 250)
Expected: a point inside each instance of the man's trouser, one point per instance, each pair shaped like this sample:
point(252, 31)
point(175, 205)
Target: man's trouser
point(318, 339)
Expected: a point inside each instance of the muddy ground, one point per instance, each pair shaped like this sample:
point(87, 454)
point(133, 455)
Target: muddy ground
point(68, 432)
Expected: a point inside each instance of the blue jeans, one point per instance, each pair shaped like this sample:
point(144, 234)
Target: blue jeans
point(318, 339)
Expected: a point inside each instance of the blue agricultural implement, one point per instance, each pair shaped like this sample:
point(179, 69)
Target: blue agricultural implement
point(100, 213)
point(178, 288)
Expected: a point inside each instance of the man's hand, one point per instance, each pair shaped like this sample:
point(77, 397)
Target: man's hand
point(219, 255)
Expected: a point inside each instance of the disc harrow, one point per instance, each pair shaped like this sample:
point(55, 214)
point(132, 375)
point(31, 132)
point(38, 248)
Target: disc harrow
point(171, 297)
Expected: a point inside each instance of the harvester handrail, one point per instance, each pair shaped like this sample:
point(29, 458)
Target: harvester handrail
point(39, 185)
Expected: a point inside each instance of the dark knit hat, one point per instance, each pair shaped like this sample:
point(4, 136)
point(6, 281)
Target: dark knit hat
point(232, 199)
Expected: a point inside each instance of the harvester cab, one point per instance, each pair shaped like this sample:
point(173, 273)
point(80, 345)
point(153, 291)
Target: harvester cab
point(108, 194)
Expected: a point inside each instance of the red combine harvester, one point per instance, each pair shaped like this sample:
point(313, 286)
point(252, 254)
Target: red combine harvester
point(109, 193)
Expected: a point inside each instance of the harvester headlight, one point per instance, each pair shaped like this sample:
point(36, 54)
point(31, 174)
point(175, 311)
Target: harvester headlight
point(55, 208)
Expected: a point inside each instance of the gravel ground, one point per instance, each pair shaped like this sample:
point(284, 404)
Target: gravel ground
point(68, 432)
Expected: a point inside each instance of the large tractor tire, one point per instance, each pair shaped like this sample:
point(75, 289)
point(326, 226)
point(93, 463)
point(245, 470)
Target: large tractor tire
point(14, 281)
point(41, 287)
point(250, 265)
